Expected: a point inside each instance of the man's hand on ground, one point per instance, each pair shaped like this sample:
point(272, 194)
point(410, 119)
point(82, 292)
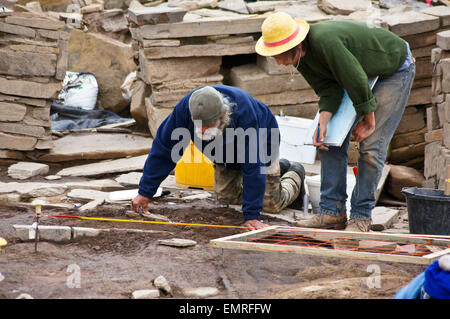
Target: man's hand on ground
point(255, 224)
point(140, 202)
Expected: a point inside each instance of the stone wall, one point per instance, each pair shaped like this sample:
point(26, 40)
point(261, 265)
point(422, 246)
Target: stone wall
point(178, 54)
point(437, 138)
point(33, 61)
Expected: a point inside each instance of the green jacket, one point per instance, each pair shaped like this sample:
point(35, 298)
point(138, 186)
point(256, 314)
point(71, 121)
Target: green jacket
point(343, 54)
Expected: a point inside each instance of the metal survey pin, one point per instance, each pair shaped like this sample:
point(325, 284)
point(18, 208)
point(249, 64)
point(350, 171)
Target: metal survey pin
point(37, 204)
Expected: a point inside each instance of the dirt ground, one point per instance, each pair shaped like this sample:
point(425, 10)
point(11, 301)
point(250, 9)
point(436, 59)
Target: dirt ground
point(117, 263)
point(114, 264)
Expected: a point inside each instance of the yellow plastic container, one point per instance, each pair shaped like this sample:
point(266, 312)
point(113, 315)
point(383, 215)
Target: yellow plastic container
point(194, 170)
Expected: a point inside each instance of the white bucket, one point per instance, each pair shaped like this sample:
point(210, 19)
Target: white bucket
point(313, 184)
point(292, 135)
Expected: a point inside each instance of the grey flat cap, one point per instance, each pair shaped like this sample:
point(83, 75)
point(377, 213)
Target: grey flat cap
point(206, 105)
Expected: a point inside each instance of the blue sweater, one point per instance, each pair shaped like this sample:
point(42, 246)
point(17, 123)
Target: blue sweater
point(248, 116)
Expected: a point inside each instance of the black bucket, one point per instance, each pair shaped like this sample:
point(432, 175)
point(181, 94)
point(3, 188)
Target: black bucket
point(428, 211)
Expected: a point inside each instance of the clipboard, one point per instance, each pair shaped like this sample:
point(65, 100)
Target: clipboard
point(341, 122)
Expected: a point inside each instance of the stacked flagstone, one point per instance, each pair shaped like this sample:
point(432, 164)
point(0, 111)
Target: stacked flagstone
point(419, 29)
point(177, 56)
point(178, 52)
point(33, 61)
point(437, 137)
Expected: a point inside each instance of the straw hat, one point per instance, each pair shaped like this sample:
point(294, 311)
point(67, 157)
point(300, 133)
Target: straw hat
point(280, 33)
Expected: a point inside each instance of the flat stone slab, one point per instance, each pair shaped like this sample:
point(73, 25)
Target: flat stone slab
point(24, 170)
point(200, 292)
point(442, 12)
point(106, 167)
point(177, 242)
point(90, 194)
point(93, 146)
point(33, 189)
point(50, 233)
point(411, 22)
point(443, 40)
point(105, 185)
point(383, 218)
point(145, 294)
point(86, 232)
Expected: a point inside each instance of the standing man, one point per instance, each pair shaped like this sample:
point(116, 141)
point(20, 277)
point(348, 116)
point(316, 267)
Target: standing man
point(333, 56)
point(240, 135)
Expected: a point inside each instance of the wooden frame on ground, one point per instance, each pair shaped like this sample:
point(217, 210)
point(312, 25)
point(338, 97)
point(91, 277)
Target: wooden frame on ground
point(378, 246)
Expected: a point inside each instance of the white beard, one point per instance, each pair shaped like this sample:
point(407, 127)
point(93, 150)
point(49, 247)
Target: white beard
point(210, 133)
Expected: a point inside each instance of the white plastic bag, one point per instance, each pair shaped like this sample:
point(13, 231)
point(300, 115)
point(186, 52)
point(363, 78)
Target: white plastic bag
point(79, 90)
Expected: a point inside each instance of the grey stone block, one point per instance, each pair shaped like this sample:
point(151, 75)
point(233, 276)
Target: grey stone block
point(443, 40)
point(86, 232)
point(50, 233)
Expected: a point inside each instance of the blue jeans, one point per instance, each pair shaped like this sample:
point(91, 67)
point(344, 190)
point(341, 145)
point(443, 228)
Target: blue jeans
point(392, 95)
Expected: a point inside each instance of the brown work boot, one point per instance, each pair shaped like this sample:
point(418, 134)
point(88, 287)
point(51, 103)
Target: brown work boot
point(324, 221)
point(358, 225)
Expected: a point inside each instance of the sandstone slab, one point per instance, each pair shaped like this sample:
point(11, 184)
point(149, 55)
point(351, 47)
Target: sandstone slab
point(110, 60)
point(105, 185)
point(270, 66)
point(308, 12)
point(12, 112)
point(145, 294)
point(29, 89)
point(25, 170)
point(264, 6)
point(140, 90)
point(413, 120)
point(20, 63)
point(408, 138)
point(411, 22)
point(89, 194)
point(96, 146)
point(129, 179)
point(17, 142)
point(443, 39)
point(19, 30)
point(50, 233)
point(200, 292)
point(200, 50)
point(177, 242)
point(106, 167)
point(442, 12)
point(155, 116)
point(22, 129)
point(209, 26)
point(156, 15)
point(383, 217)
point(34, 21)
point(173, 91)
point(288, 97)
point(162, 70)
point(343, 7)
point(254, 80)
point(85, 232)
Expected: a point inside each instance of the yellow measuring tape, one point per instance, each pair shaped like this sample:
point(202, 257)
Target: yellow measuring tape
point(140, 221)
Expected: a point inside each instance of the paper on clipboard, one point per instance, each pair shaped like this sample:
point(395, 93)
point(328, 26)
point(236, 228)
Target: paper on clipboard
point(341, 122)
